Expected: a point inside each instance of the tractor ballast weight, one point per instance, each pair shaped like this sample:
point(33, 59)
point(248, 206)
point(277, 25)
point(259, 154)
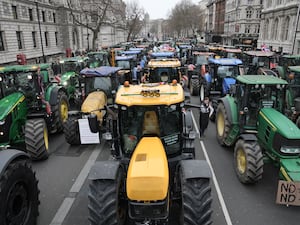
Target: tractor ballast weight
point(154, 166)
point(250, 119)
point(18, 188)
point(100, 85)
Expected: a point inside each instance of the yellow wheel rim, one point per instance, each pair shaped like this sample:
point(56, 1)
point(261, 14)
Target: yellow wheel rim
point(220, 124)
point(64, 111)
point(46, 138)
point(241, 160)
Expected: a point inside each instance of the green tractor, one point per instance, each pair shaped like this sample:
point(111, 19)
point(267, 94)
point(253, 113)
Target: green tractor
point(99, 87)
point(19, 193)
point(153, 167)
point(97, 59)
point(250, 119)
point(284, 62)
point(31, 105)
point(293, 94)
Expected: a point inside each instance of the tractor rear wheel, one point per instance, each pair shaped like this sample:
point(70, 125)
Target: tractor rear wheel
point(196, 201)
point(106, 207)
point(71, 131)
point(248, 161)
point(222, 124)
point(194, 87)
point(36, 139)
point(60, 110)
point(19, 195)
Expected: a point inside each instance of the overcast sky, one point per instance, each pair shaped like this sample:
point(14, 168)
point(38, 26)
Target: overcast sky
point(158, 9)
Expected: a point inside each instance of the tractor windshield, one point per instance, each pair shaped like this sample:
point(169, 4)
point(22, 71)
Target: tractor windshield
point(164, 75)
point(228, 71)
point(124, 64)
point(161, 121)
point(71, 67)
point(98, 84)
point(201, 60)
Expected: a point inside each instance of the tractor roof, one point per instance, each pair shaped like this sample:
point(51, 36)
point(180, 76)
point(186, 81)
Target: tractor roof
point(225, 61)
point(150, 94)
point(135, 52)
point(73, 59)
point(162, 54)
point(204, 53)
point(233, 50)
point(97, 53)
point(102, 71)
point(24, 68)
point(260, 79)
point(294, 68)
point(168, 62)
point(125, 58)
point(259, 53)
point(291, 56)
point(136, 49)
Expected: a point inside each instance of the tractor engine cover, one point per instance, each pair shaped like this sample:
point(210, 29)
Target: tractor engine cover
point(94, 102)
point(148, 172)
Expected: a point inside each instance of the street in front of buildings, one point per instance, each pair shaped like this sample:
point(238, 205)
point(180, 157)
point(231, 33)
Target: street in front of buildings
point(64, 187)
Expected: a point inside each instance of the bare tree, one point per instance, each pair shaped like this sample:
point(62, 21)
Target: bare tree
point(96, 14)
point(134, 19)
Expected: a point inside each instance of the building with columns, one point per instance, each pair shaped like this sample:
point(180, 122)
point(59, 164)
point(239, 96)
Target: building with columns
point(280, 26)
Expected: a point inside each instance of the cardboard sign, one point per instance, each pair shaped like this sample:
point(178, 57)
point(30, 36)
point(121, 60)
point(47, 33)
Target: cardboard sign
point(288, 193)
point(86, 136)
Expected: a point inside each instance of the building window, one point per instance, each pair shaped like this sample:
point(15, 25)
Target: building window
point(43, 16)
point(30, 14)
point(2, 46)
point(34, 39)
point(54, 18)
point(258, 15)
point(14, 12)
point(46, 39)
point(275, 30)
point(285, 31)
point(266, 30)
point(298, 48)
point(247, 29)
point(56, 38)
point(20, 39)
point(249, 12)
point(256, 29)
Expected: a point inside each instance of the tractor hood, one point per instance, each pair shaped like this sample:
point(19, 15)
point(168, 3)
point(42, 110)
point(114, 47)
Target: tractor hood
point(93, 103)
point(8, 103)
point(280, 123)
point(148, 172)
point(290, 169)
point(66, 77)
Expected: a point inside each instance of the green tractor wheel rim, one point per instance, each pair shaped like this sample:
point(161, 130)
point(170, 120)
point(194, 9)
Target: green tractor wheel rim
point(46, 138)
point(241, 161)
point(64, 111)
point(220, 124)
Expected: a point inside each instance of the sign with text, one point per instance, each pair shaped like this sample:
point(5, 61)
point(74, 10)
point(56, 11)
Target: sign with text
point(288, 193)
point(86, 135)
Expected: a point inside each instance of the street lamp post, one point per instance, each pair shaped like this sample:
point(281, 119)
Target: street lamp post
point(40, 30)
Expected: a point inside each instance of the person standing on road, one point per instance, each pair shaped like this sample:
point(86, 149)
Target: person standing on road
point(206, 110)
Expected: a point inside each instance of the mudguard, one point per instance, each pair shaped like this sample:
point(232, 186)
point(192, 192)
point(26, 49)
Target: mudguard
point(104, 170)
point(248, 137)
point(9, 155)
point(188, 122)
point(195, 169)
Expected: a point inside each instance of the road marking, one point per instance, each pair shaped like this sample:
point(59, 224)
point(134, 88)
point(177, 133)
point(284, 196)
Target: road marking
point(66, 205)
point(215, 181)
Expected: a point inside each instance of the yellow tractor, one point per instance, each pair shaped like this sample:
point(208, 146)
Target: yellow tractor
point(153, 165)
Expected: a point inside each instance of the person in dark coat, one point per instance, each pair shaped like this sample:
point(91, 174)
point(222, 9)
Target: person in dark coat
point(206, 110)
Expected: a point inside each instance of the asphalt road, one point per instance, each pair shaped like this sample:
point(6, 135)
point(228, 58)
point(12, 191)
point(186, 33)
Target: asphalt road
point(64, 188)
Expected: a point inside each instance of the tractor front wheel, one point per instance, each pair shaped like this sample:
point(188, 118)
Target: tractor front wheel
point(222, 124)
point(36, 139)
point(248, 161)
point(194, 86)
point(60, 110)
point(106, 207)
point(71, 131)
point(19, 195)
point(196, 201)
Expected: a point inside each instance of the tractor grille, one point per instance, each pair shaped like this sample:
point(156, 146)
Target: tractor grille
point(280, 141)
point(4, 129)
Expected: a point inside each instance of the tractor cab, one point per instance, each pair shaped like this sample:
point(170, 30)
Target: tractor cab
point(97, 59)
point(127, 63)
point(73, 64)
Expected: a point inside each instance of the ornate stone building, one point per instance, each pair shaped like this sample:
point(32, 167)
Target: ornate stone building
point(280, 26)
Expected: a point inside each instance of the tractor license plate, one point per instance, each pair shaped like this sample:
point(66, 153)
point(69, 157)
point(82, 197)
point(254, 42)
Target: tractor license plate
point(288, 193)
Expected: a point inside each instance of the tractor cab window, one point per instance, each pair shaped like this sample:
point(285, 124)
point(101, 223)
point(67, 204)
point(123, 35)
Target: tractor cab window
point(98, 84)
point(7, 83)
point(163, 75)
point(201, 60)
point(228, 71)
point(123, 64)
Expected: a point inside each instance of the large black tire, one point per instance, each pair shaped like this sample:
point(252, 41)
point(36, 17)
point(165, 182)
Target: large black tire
point(60, 111)
point(36, 139)
point(19, 193)
point(298, 122)
point(71, 131)
point(248, 161)
point(222, 124)
point(194, 86)
point(106, 207)
point(196, 201)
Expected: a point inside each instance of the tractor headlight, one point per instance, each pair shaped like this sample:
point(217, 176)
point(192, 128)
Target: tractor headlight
point(2, 122)
point(65, 83)
point(290, 150)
